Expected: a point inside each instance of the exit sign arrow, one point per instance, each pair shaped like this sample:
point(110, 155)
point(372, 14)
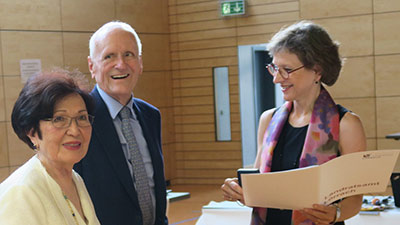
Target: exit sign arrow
point(232, 8)
point(237, 8)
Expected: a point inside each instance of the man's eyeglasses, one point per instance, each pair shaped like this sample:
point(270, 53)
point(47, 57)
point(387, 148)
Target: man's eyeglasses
point(65, 121)
point(273, 69)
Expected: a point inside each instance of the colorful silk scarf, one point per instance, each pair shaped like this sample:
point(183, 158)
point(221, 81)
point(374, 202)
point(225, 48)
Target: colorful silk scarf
point(321, 144)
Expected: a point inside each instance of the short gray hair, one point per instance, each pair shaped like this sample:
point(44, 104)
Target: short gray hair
point(106, 28)
point(313, 46)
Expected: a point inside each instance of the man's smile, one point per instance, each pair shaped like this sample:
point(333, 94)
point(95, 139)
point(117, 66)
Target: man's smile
point(120, 76)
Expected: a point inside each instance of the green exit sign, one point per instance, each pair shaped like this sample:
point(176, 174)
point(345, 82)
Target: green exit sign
point(232, 8)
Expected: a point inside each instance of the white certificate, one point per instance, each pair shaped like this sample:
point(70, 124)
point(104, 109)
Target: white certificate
point(347, 175)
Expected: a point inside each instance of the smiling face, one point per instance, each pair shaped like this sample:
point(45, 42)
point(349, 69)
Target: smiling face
point(63, 147)
point(300, 82)
point(116, 64)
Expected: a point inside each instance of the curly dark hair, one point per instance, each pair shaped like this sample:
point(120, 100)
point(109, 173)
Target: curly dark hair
point(312, 45)
point(40, 94)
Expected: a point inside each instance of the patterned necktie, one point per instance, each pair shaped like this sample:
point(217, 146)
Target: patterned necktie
point(139, 171)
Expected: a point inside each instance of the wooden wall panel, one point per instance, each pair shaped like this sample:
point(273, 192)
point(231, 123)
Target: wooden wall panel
point(200, 128)
point(75, 16)
point(199, 7)
point(193, 82)
point(388, 111)
point(386, 6)
point(207, 25)
point(268, 18)
point(193, 91)
point(387, 69)
point(153, 58)
point(188, 101)
point(2, 102)
point(203, 173)
point(1, 57)
point(76, 51)
point(262, 2)
point(254, 39)
point(356, 72)
point(207, 44)
point(30, 15)
point(195, 181)
point(197, 17)
point(18, 151)
point(4, 173)
point(203, 128)
point(192, 2)
point(201, 155)
point(17, 45)
point(208, 146)
point(372, 144)
point(208, 62)
point(12, 87)
point(207, 34)
point(158, 81)
point(194, 119)
point(208, 53)
point(193, 73)
point(279, 7)
point(356, 38)
point(134, 11)
point(387, 33)
point(260, 29)
point(3, 145)
point(200, 109)
point(384, 143)
point(202, 137)
point(311, 9)
point(207, 164)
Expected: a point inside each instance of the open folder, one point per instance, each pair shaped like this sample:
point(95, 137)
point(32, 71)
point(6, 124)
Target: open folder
point(347, 175)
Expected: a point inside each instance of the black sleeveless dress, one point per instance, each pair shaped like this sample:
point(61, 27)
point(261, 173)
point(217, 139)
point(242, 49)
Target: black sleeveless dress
point(286, 156)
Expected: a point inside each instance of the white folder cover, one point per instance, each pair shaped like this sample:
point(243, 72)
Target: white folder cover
point(347, 175)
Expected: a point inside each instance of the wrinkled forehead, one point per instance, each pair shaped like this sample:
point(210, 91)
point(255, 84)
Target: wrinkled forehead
point(112, 36)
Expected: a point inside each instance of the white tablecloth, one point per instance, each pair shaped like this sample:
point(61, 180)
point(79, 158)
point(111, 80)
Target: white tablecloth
point(221, 213)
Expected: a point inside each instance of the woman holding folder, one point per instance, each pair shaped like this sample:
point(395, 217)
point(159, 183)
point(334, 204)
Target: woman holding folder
point(310, 128)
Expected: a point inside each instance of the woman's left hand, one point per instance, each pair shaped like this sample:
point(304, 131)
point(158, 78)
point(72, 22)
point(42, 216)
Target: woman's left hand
point(320, 214)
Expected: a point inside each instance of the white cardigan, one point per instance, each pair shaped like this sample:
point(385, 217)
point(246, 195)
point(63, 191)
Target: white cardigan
point(31, 196)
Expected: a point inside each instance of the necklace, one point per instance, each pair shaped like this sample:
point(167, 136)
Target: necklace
point(70, 208)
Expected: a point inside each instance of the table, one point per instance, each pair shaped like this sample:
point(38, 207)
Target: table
point(231, 213)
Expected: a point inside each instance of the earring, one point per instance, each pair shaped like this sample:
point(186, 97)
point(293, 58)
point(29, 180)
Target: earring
point(316, 82)
point(36, 148)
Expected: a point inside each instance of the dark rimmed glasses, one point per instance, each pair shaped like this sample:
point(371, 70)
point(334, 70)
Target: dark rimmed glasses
point(273, 69)
point(65, 121)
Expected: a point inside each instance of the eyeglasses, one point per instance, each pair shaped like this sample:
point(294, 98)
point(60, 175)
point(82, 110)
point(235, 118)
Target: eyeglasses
point(272, 69)
point(65, 121)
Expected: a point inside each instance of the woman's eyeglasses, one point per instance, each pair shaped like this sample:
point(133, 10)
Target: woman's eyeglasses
point(273, 69)
point(65, 121)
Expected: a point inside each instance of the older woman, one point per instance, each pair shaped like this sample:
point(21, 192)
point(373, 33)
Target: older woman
point(310, 128)
point(52, 116)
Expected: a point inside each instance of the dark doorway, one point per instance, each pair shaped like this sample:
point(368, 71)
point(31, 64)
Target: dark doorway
point(264, 88)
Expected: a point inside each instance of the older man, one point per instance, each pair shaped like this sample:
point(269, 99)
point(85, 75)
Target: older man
point(123, 170)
